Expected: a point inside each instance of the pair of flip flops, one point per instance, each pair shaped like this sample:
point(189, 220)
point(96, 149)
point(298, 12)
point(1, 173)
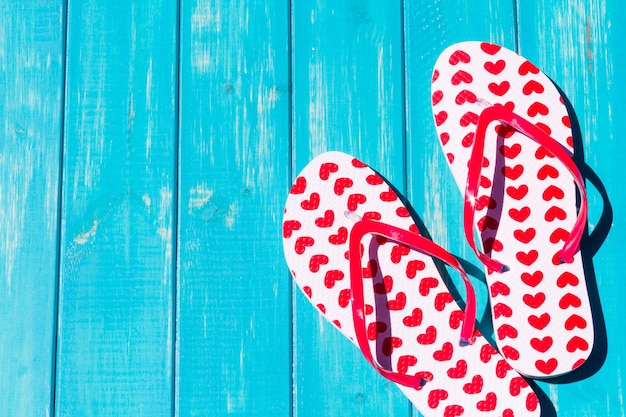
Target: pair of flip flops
point(357, 254)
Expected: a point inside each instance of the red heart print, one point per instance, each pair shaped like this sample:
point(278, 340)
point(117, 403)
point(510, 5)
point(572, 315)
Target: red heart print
point(541, 345)
point(527, 67)
point(375, 328)
point(532, 280)
point(402, 212)
point(502, 368)
point(372, 215)
point(341, 184)
point(398, 303)
point(322, 308)
point(326, 169)
point(316, 261)
point(429, 337)
point(435, 396)
point(391, 343)
point(575, 321)
point(459, 370)
point(388, 196)
point(485, 201)
point(337, 323)
point(532, 86)
point(398, 252)
point(474, 387)
point(412, 267)
point(492, 244)
point(371, 269)
point(486, 352)
point(544, 127)
point(299, 186)
point(516, 385)
point(404, 362)
point(436, 97)
point(444, 137)
point(547, 171)
point(490, 48)
point(531, 401)
point(489, 403)
point(506, 330)
point(459, 56)
point(527, 258)
point(537, 108)
point(468, 140)
point(289, 226)
point(344, 298)
point(374, 179)
point(499, 89)
point(546, 367)
point(453, 410)
point(524, 236)
point(495, 67)
point(445, 353)
point(484, 182)
point(312, 203)
point(517, 193)
point(553, 192)
point(354, 200)
point(542, 153)
point(510, 352)
point(502, 310)
point(519, 215)
point(505, 131)
point(326, 220)
point(442, 299)
point(358, 164)
point(512, 151)
point(468, 119)
point(368, 309)
point(566, 122)
point(425, 375)
point(569, 300)
point(513, 173)
point(487, 223)
point(461, 77)
point(465, 96)
point(302, 243)
point(539, 322)
point(558, 260)
point(440, 118)
point(567, 278)
point(435, 76)
point(415, 319)
point(498, 288)
point(339, 238)
point(308, 291)
point(455, 319)
point(534, 301)
point(332, 276)
point(577, 343)
point(426, 284)
point(385, 286)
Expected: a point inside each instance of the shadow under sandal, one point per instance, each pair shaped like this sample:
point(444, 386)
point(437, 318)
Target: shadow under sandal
point(356, 253)
point(506, 133)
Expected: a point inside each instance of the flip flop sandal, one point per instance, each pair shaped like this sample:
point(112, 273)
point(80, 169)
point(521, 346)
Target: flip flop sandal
point(356, 253)
point(505, 130)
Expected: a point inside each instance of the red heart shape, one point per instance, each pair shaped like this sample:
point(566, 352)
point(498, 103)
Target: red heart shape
point(445, 353)
point(436, 97)
point(513, 172)
point(532, 86)
point(332, 276)
point(435, 76)
point(495, 67)
point(498, 288)
point(354, 200)
point(517, 193)
point(312, 203)
point(485, 201)
point(302, 243)
point(391, 343)
point(465, 96)
point(534, 301)
point(461, 77)
point(569, 300)
point(486, 352)
point(558, 235)
point(511, 151)
point(474, 387)
point(544, 127)
point(372, 215)
point(487, 222)
point(413, 266)
point(426, 284)
point(299, 186)
point(540, 322)
point(490, 48)
point(398, 303)
point(468, 118)
point(344, 298)
point(371, 269)
point(505, 131)
point(440, 118)
point(484, 182)
point(516, 385)
point(415, 319)
point(492, 244)
point(524, 236)
point(442, 299)
point(531, 401)
point(326, 220)
point(459, 370)
point(468, 140)
point(541, 345)
point(289, 226)
point(374, 179)
point(489, 403)
point(444, 137)
point(537, 108)
point(533, 279)
point(398, 252)
point(577, 343)
point(435, 396)
point(404, 362)
point(453, 410)
point(455, 319)
point(317, 261)
point(339, 238)
point(527, 258)
point(546, 367)
point(385, 286)
point(326, 169)
point(402, 212)
point(575, 321)
point(502, 310)
point(459, 56)
point(519, 215)
point(502, 368)
point(547, 171)
point(358, 164)
point(388, 196)
point(510, 352)
point(499, 89)
point(341, 184)
point(376, 328)
point(429, 337)
point(527, 67)
point(542, 153)
point(567, 278)
point(506, 330)
point(553, 192)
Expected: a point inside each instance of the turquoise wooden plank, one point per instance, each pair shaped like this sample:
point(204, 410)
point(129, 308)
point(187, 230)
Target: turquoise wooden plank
point(115, 337)
point(580, 46)
point(233, 336)
point(31, 87)
point(347, 95)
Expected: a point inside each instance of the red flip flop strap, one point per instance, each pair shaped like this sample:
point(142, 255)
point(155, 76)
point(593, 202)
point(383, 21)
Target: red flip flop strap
point(421, 244)
point(500, 113)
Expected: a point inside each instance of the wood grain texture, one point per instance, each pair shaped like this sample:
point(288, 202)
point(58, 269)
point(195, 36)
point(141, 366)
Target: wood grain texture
point(31, 87)
point(115, 336)
point(348, 82)
point(234, 351)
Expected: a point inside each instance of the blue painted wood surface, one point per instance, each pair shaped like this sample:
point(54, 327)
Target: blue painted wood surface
point(146, 151)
